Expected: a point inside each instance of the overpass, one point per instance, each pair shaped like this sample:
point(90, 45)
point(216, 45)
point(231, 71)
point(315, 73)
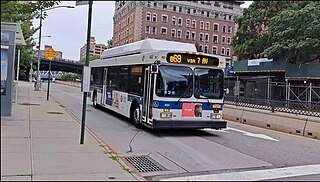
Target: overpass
point(64, 65)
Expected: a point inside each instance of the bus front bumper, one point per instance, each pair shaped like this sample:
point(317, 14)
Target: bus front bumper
point(168, 124)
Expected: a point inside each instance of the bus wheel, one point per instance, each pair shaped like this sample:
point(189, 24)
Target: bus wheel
point(135, 116)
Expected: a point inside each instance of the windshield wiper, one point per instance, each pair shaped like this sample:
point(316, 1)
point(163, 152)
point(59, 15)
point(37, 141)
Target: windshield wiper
point(183, 93)
point(205, 97)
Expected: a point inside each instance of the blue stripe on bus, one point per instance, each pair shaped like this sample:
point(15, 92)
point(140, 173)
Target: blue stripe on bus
point(178, 105)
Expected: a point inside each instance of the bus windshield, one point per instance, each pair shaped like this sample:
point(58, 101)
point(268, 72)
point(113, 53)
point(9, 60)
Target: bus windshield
point(174, 81)
point(208, 83)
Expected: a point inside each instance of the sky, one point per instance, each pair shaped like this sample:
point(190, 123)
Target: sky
point(68, 26)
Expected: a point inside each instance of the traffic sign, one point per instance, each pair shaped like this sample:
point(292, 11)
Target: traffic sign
point(50, 54)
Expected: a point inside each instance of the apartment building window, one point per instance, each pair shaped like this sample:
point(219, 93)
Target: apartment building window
point(188, 10)
point(188, 23)
point(201, 36)
point(205, 49)
point(194, 22)
point(154, 17)
point(201, 48)
point(223, 39)
point(214, 50)
point(154, 30)
point(149, 4)
point(155, 4)
point(174, 20)
point(164, 6)
point(208, 14)
point(194, 11)
point(224, 28)
point(222, 51)
point(201, 25)
point(173, 33)
point(206, 37)
point(216, 15)
point(215, 39)
point(174, 8)
point(230, 17)
point(164, 18)
point(228, 40)
point(207, 25)
point(164, 30)
point(216, 27)
point(147, 30)
point(179, 33)
point(193, 36)
point(229, 29)
point(148, 16)
point(180, 9)
point(228, 52)
point(180, 21)
point(187, 35)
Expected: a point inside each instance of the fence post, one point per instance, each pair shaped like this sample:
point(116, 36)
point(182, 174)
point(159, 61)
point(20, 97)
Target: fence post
point(272, 105)
point(310, 93)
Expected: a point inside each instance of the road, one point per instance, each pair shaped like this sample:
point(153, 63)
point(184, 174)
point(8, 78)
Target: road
point(195, 154)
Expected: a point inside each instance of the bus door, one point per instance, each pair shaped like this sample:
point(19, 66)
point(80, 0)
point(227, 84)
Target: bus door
point(147, 97)
point(104, 87)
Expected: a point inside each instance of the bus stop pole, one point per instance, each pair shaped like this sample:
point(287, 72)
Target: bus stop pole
point(87, 64)
point(49, 78)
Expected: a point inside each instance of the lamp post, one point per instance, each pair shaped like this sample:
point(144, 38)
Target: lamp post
point(37, 87)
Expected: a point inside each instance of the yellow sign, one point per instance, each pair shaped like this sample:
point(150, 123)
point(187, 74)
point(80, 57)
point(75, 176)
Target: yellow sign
point(50, 54)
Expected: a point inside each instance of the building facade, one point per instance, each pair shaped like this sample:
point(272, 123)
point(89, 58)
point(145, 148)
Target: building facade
point(209, 25)
point(95, 49)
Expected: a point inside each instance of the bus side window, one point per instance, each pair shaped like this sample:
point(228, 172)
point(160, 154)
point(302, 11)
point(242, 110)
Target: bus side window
point(112, 81)
point(135, 80)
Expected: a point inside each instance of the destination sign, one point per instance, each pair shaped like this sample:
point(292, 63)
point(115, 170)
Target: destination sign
point(184, 58)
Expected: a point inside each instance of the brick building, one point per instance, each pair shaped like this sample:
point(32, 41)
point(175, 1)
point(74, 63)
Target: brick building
point(208, 24)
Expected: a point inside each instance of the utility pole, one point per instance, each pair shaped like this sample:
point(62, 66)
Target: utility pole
point(84, 105)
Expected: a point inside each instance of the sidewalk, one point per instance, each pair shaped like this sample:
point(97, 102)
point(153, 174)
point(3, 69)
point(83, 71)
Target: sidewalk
point(41, 141)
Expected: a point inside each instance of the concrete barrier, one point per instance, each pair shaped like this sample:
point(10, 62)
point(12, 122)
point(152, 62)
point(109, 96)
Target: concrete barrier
point(285, 122)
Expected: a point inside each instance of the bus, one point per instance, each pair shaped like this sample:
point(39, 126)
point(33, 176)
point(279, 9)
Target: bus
point(160, 84)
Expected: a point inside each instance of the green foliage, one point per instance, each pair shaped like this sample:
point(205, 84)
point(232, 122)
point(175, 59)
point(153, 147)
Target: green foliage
point(71, 76)
point(278, 28)
point(110, 43)
point(93, 57)
point(14, 11)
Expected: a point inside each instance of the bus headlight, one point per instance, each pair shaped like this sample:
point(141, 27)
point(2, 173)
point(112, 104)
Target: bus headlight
point(166, 115)
point(215, 116)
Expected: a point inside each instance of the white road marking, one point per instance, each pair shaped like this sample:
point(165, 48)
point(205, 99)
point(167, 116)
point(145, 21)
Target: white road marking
point(222, 130)
point(262, 136)
point(255, 175)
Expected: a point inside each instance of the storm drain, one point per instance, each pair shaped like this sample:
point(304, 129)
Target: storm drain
point(144, 164)
point(53, 112)
point(28, 104)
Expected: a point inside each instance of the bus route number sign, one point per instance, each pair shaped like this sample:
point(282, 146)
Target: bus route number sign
point(183, 58)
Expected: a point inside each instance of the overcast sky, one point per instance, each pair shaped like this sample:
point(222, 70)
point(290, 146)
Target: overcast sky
point(68, 27)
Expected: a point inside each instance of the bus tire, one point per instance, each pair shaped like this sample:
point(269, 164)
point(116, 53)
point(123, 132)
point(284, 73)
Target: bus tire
point(135, 115)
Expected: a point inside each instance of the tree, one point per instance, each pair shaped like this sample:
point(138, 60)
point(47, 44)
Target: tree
point(110, 43)
point(295, 33)
point(92, 57)
point(258, 32)
point(14, 11)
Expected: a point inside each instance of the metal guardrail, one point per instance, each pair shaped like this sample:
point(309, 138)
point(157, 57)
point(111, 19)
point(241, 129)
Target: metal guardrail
point(290, 106)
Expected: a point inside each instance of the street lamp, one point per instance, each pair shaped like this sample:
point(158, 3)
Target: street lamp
point(37, 88)
point(43, 36)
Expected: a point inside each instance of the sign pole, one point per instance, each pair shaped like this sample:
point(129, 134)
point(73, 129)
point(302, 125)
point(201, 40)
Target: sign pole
point(84, 105)
point(49, 78)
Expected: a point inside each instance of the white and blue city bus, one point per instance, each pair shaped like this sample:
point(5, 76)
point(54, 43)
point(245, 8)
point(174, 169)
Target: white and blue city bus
point(160, 84)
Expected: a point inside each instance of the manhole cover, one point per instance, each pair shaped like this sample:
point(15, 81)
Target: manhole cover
point(144, 164)
point(54, 112)
point(29, 104)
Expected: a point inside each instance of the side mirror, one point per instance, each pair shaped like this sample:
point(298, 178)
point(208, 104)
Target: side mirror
point(154, 69)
